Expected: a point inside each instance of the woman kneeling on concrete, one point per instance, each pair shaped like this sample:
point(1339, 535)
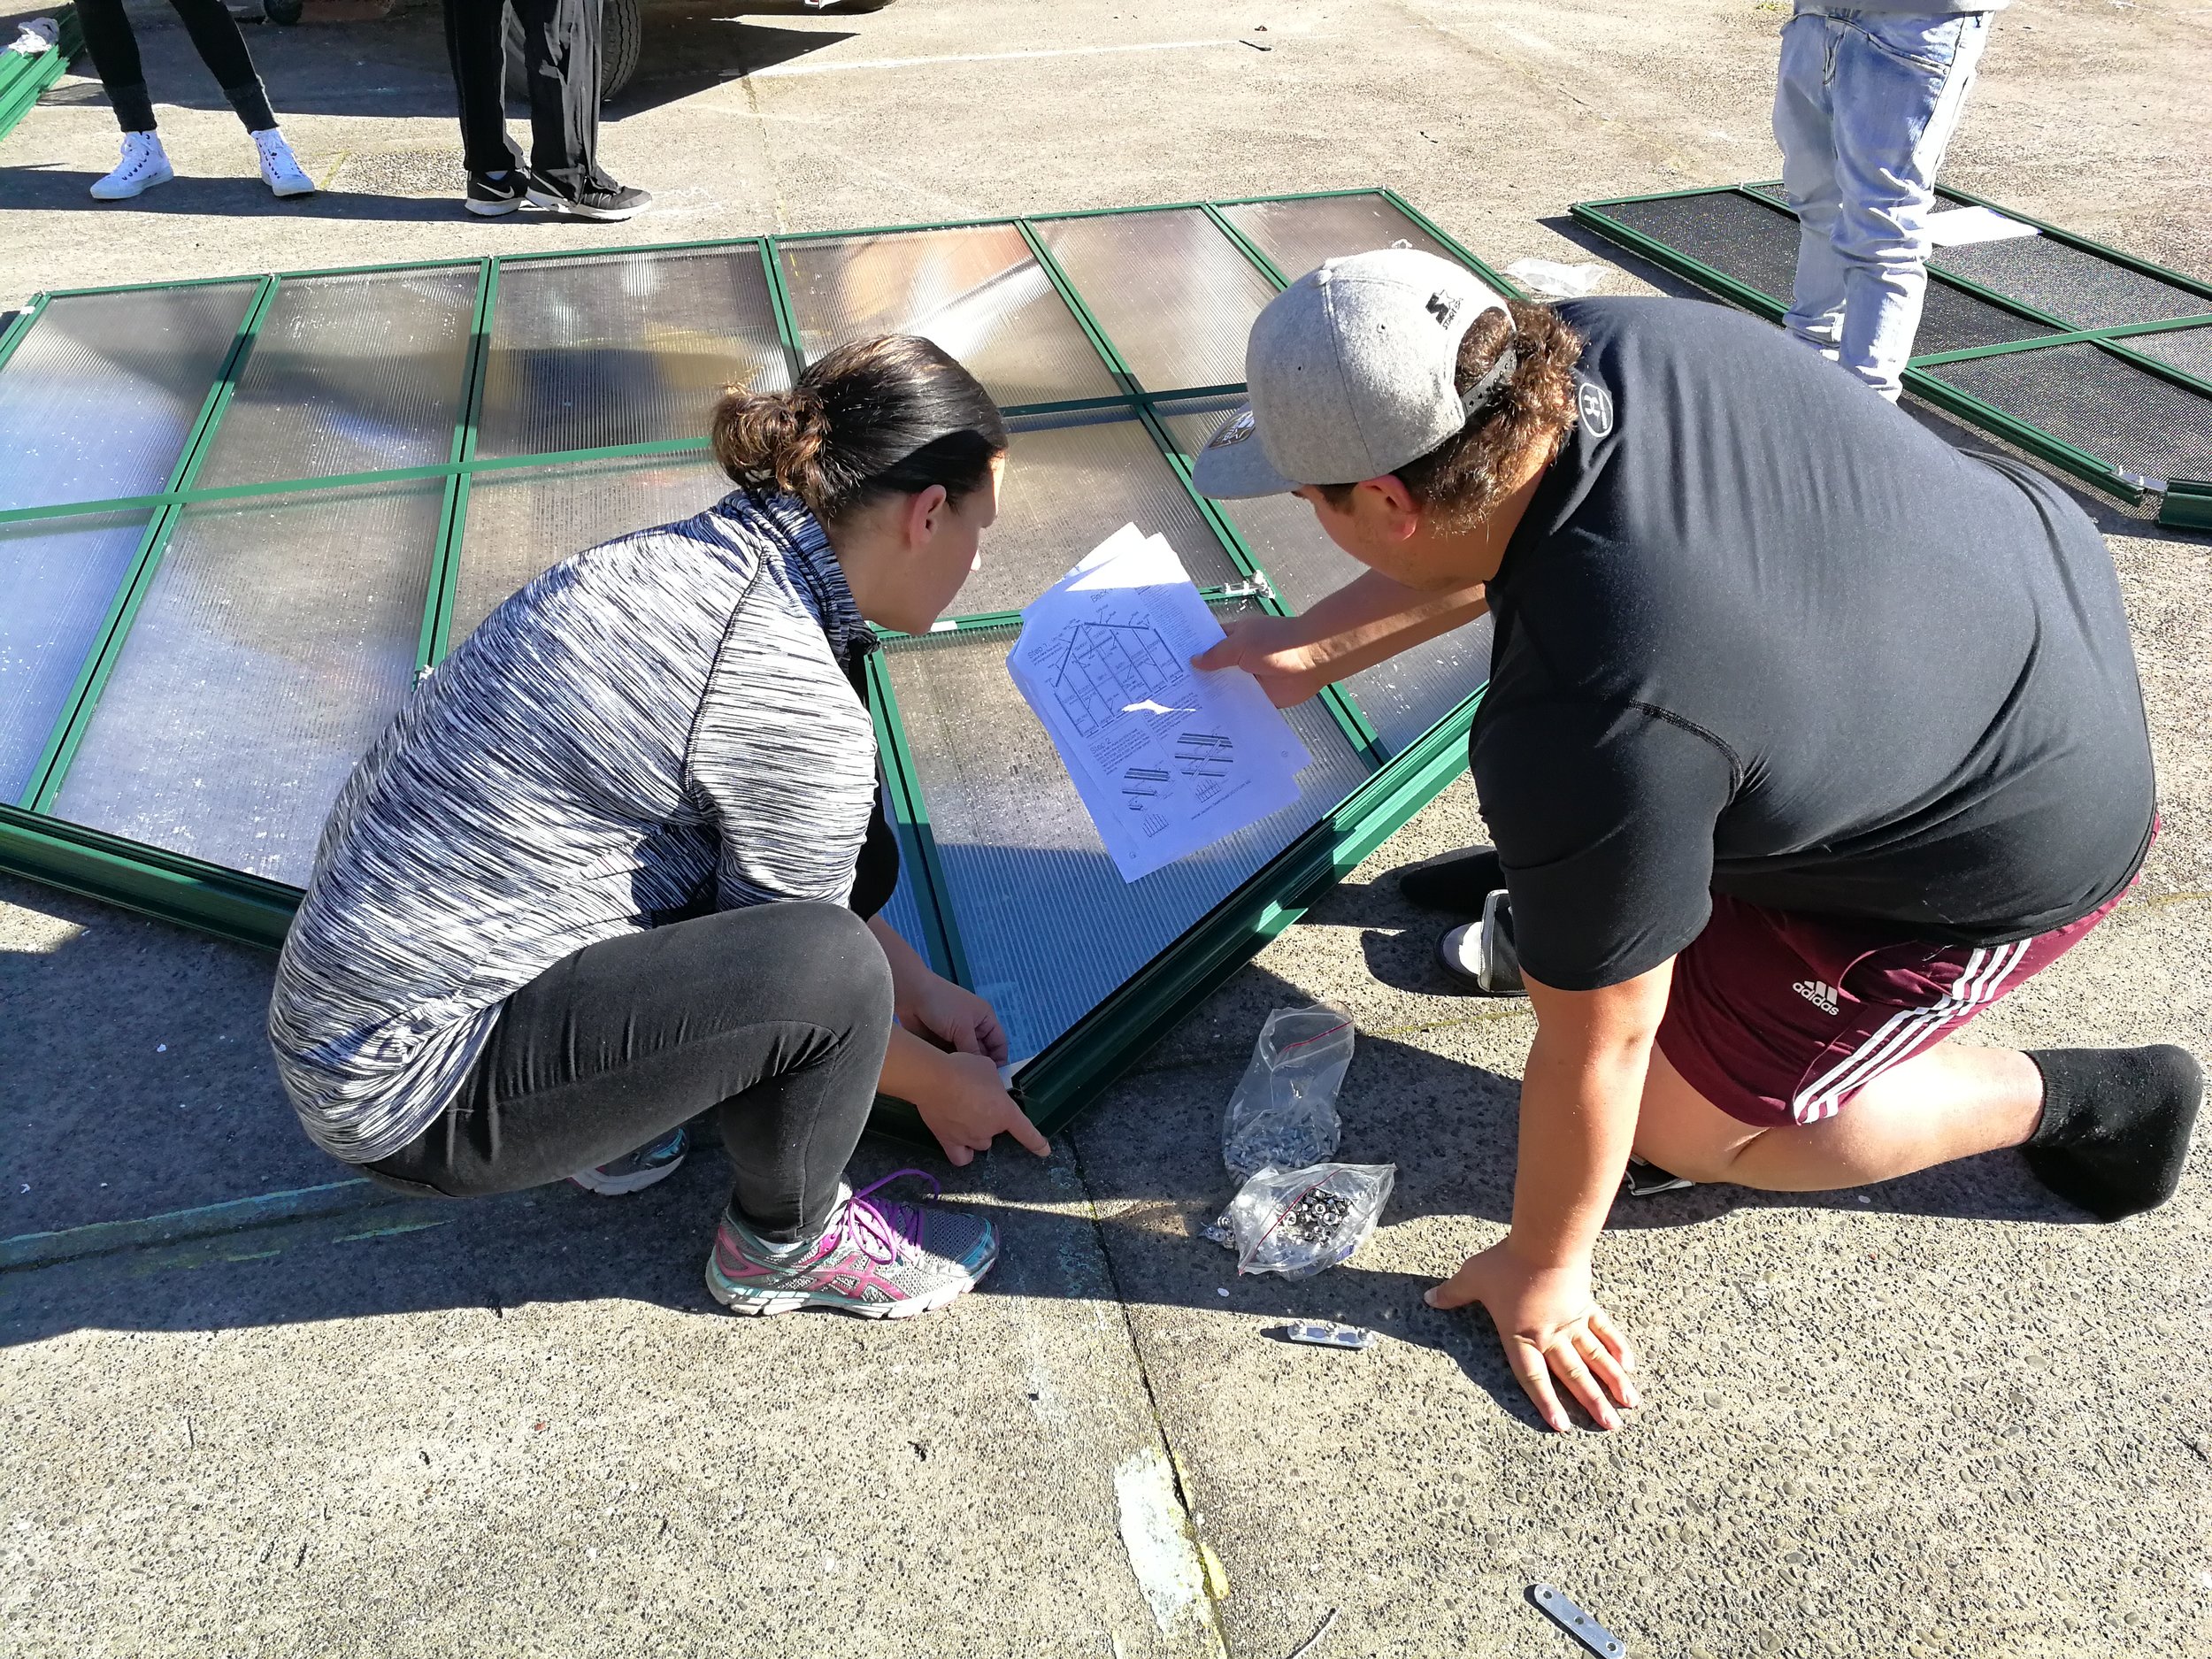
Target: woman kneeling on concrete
point(1807, 738)
point(607, 869)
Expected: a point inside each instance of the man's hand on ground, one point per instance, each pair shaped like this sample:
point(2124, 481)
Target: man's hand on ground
point(1550, 1325)
point(968, 1108)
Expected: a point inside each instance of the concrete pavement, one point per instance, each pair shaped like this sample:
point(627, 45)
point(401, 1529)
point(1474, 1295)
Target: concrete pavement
point(1940, 1417)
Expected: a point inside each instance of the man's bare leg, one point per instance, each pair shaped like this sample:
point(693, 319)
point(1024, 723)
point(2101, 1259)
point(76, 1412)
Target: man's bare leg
point(1949, 1101)
point(2112, 1139)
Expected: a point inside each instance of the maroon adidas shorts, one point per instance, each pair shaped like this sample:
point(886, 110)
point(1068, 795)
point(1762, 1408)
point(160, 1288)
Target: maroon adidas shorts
point(1779, 1018)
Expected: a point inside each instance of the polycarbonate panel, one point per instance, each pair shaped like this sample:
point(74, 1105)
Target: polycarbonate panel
point(623, 347)
point(2188, 350)
point(1175, 296)
point(2097, 402)
point(355, 373)
point(903, 912)
point(1071, 482)
point(1298, 236)
point(522, 519)
point(1730, 233)
point(1402, 697)
point(98, 400)
point(1955, 320)
point(274, 644)
point(1049, 926)
point(2082, 289)
point(60, 576)
point(977, 292)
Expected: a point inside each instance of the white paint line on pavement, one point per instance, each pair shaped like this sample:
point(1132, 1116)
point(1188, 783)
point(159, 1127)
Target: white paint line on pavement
point(784, 72)
point(1155, 1535)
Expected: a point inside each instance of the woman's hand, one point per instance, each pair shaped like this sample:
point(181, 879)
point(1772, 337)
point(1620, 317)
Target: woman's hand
point(953, 1015)
point(966, 1108)
point(1275, 651)
point(1550, 1325)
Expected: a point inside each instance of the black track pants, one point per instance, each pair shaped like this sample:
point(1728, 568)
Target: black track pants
point(214, 32)
point(774, 1016)
point(560, 52)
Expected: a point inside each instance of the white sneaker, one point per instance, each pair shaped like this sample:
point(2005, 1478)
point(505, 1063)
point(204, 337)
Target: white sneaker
point(1482, 954)
point(279, 167)
point(143, 166)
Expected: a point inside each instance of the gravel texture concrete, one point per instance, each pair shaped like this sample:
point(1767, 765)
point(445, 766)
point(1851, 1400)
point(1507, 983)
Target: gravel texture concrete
point(1943, 1416)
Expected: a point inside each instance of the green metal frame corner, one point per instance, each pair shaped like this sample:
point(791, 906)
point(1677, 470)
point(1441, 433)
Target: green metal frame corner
point(2188, 505)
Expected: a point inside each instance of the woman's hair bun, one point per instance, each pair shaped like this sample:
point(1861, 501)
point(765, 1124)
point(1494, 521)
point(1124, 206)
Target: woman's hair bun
point(771, 439)
point(874, 417)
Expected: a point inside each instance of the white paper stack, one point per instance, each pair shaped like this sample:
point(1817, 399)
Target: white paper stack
point(1167, 760)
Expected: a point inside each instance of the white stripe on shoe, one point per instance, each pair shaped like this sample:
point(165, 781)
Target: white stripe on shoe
point(1897, 1038)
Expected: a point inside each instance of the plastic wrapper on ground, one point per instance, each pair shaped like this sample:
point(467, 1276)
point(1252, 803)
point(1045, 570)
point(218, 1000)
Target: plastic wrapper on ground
point(1282, 1114)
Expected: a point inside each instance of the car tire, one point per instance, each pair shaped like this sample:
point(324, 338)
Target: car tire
point(621, 43)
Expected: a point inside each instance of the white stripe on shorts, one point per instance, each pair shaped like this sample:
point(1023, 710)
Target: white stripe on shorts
point(1982, 981)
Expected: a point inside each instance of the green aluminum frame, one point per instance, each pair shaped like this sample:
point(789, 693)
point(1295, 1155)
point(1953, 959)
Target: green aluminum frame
point(24, 79)
point(1919, 377)
point(1068, 1072)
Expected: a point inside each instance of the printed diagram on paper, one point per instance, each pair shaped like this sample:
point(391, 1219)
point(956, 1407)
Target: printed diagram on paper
point(1167, 760)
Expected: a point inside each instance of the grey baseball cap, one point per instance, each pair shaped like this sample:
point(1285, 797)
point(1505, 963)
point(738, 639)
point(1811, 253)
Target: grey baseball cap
point(1353, 372)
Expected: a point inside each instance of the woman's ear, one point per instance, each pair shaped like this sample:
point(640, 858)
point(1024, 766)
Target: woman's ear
point(923, 511)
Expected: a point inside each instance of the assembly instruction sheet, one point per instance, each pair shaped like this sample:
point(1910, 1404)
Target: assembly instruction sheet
point(1166, 759)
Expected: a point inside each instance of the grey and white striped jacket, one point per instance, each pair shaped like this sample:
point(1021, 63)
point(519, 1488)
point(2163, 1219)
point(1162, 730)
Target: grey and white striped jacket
point(661, 724)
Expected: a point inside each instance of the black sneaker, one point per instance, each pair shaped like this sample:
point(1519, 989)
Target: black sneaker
point(1455, 883)
point(493, 194)
point(1640, 1180)
point(600, 198)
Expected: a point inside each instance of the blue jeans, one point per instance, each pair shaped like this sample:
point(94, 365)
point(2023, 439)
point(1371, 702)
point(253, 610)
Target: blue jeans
point(1863, 107)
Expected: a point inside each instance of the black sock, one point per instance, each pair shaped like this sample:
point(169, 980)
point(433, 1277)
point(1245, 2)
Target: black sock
point(2116, 1126)
point(1456, 883)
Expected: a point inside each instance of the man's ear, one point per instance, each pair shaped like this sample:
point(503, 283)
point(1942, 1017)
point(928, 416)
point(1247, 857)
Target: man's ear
point(1399, 513)
point(923, 509)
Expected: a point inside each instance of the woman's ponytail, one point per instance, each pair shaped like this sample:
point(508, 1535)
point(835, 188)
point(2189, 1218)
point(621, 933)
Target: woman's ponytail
point(882, 417)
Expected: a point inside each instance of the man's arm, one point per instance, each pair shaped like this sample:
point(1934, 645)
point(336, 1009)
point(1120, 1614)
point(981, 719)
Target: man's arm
point(1364, 622)
point(1580, 1094)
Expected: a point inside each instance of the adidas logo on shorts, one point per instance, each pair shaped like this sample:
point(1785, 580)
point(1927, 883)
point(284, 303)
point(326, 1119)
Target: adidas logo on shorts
point(1821, 996)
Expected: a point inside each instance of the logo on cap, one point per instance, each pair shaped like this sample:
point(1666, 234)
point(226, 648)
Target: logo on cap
point(1596, 405)
point(1235, 431)
point(1444, 307)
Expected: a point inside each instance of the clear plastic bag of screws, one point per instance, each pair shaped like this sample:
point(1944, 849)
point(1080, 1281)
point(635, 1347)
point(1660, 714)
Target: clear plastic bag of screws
point(1282, 1114)
point(1298, 1222)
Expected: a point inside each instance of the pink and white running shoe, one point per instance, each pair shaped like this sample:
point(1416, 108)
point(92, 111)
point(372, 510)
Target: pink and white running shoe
point(878, 1259)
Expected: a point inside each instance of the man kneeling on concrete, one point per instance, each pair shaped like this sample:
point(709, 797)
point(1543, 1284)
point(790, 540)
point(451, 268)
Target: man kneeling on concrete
point(1808, 737)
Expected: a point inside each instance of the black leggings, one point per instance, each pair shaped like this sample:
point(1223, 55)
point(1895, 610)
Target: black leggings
point(776, 1017)
point(114, 48)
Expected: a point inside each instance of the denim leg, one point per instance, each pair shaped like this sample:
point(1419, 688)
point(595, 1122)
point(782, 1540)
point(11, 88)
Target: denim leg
point(1803, 127)
point(1900, 85)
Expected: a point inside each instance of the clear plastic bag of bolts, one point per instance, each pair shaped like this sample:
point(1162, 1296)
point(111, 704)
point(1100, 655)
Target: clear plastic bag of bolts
point(1282, 1114)
point(1298, 1222)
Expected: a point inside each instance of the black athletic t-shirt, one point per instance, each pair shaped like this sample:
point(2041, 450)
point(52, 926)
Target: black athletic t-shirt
point(1761, 633)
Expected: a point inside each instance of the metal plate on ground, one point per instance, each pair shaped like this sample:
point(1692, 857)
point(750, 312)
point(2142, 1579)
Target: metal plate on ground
point(1582, 1626)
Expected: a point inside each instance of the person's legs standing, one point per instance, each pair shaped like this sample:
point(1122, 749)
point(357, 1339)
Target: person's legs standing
point(114, 51)
point(114, 48)
point(1803, 127)
point(561, 47)
point(476, 47)
point(1900, 88)
point(561, 56)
